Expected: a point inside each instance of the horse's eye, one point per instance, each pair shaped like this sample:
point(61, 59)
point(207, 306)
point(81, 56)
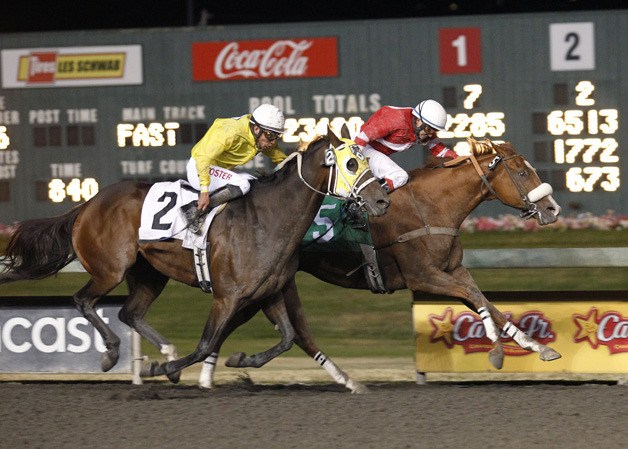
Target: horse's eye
point(352, 165)
point(523, 173)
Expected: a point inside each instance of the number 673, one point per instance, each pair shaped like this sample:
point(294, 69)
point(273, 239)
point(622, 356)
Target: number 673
point(585, 179)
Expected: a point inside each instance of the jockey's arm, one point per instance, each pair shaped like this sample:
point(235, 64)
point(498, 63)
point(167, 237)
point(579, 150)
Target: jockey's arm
point(204, 153)
point(275, 154)
point(439, 149)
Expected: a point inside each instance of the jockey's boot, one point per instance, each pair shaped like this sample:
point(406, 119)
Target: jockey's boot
point(224, 194)
point(196, 217)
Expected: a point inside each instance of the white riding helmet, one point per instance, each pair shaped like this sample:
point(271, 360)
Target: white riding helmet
point(431, 113)
point(268, 117)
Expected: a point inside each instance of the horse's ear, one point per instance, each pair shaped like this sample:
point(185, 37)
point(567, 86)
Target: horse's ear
point(332, 138)
point(344, 132)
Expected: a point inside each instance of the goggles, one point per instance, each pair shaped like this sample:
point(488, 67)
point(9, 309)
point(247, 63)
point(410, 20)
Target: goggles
point(271, 135)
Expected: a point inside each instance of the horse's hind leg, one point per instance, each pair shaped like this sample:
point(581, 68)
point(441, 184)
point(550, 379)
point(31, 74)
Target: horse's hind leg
point(84, 300)
point(145, 285)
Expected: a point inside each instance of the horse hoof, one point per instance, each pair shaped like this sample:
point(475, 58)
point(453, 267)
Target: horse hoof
point(358, 388)
point(152, 370)
point(235, 360)
point(548, 354)
point(174, 377)
point(149, 370)
point(108, 360)
point(496, 357)
point(205, 385)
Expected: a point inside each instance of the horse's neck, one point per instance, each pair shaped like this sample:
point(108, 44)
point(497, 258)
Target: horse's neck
point(289, 206)
point(449, 195)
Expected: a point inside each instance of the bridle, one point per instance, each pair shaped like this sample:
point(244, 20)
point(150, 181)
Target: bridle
point(529, 198)
point(335, 173)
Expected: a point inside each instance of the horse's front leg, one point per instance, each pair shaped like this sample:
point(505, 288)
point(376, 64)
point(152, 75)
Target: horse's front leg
point(464, 287)
point(489, 313)
point(217, 328)
point(276, 307)
point(206, 378)
point(305, 340)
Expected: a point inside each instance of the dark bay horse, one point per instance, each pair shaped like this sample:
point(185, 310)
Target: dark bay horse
point(253, 251)
point(419, 248)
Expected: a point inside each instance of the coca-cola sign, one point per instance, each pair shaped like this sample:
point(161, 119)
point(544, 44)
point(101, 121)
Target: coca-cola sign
point(466, 330)
point(610, 329)
point(265, 59)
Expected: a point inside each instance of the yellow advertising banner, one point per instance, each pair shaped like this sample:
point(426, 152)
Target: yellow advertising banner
point(591, 336)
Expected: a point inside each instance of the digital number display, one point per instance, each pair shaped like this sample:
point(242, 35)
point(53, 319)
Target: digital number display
point(151, 135)
point(587, 136)
point(558, 95)
point(477, 124)
point(75, 189)
point(307, 128)
point(4, 138)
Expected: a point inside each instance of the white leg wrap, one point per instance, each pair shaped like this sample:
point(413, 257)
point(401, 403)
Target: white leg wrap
point(206, 378)
point(170, 351)
point(489, 325)
point(331, 368)
point(521, 338)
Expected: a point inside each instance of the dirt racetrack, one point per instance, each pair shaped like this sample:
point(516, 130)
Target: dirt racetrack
point(242, 414)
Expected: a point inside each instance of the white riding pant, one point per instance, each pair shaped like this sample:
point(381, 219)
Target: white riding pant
point(384, 167)
point(219, 177)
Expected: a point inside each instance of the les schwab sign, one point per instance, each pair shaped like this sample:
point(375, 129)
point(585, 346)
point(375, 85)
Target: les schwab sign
point(50, 336)
point(72, 66)
point(265, 59)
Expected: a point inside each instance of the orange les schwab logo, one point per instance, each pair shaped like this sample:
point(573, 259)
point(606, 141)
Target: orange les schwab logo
point(47, 67)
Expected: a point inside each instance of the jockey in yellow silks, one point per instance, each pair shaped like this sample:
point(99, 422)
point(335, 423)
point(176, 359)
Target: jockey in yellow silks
point(229, 143)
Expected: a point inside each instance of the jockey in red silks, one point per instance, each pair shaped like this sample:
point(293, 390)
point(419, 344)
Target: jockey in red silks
point(393, 129)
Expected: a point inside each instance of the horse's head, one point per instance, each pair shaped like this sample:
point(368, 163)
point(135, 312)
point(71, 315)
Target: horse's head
point(512, 179)
point(349, 174)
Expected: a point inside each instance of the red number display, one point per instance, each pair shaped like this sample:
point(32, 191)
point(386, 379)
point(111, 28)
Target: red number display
point(460, 50)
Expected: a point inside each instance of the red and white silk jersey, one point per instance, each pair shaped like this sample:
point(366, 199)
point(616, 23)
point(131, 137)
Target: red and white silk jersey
point(390, 129)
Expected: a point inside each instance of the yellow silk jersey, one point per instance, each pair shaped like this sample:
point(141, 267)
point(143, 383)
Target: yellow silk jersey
point(229, 143)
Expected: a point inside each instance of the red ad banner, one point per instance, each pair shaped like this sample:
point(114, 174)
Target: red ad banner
point(265, 59)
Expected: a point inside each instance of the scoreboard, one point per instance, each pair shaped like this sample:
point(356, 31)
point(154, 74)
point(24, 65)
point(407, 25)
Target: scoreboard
point(83, 110)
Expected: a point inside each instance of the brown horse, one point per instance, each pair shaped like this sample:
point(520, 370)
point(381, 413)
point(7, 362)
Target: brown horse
point(419, 248)
point(254, 247)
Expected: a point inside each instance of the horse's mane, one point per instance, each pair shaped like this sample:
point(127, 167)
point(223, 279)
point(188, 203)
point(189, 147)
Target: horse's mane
point(478, 148)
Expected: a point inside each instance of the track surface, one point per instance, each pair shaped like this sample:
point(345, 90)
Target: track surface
point(243, 415)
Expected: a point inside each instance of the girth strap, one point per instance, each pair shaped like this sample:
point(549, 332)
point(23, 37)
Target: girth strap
point(372, 274)
point(427, 230)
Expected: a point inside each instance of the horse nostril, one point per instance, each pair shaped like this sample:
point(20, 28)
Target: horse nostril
point(383, 203)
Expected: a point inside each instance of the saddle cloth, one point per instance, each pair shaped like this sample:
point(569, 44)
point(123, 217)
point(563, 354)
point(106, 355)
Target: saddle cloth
point(334, 230)
point(163, 219)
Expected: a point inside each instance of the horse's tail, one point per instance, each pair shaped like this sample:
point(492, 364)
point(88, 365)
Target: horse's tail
point(39, 248)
